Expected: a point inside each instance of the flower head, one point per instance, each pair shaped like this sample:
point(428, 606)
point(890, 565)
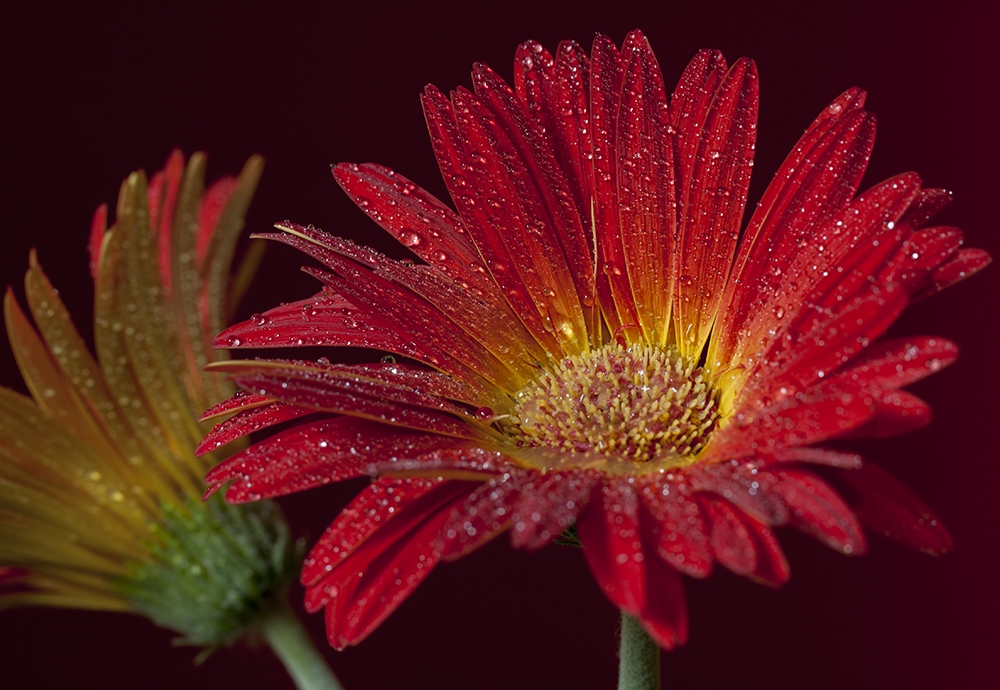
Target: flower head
point(591, 341)
point(99, 485)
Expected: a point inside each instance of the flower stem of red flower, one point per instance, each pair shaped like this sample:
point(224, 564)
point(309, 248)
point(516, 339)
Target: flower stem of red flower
point(289, 640)
point(638, 658)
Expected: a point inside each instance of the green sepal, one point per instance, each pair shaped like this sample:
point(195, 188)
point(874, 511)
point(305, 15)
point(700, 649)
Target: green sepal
point(214, 569)
point(569, 538)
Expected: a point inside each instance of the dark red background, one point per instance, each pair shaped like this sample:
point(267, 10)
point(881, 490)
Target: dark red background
point(93, 94)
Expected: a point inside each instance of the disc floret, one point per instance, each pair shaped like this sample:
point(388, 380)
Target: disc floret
point(641, 403)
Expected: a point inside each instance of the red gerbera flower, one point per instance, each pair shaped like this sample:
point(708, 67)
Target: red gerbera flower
point(590, 343)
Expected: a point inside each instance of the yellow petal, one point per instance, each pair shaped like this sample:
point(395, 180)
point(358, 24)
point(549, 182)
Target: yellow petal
point(140, 424)
point(25, 507)
point(148, 334)
point(34, 442)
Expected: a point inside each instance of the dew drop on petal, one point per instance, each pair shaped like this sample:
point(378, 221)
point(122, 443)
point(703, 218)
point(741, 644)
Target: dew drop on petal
point(409, 238)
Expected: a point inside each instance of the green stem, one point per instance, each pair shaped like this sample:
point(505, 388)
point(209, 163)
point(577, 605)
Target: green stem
point(639, 658)
point(289, 640)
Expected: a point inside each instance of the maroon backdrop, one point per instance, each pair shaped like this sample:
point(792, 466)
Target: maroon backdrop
point(94, 94)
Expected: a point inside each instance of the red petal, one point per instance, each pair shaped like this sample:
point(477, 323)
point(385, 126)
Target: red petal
point(324, 319)
point(521, 214)
point(486, 219)
point(418, 380)
point(238, 402)
point(389, 581)
point(802, 358)
point(297, 459)
point(98, 226)
point(488, 321)
point(549, 505)
point(677, 519)
point(621, 557)
point(386, 567)
point(646, 200)
point(162, 199)
point(212, 205)
point(552, 186)
point(742, 544)
point(366, 513)
point(437, 321)
point(533, 74)
point(389, 381)
point(815, 183)
point(715, 183)
point(612, 545)
point(445, 140)
point(965, 263)
point(415, 218)
point(613, 287)
point(745, 485)
point(819, 456)
point(896, 412)
point(315, 395)
point(422, 224)
point(665, 615)
point(925, 206)
point(555, 93)
point(819, 413)
point(833, 267)
point(819, 511)
point(484, 514)
point(690, 103)
point(889, 508)
point(315, 454)
point(898, 362)
point(448, 458)
point(918, 258)
point(248, 421)
point(876, 234)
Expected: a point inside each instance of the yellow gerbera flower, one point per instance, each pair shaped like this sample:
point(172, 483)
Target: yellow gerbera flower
point(100, 490)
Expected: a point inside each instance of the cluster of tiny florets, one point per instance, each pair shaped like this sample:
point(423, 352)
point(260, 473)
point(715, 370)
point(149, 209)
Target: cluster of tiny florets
point(642, 403)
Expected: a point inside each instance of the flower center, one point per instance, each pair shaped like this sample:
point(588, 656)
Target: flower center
point(641, 404)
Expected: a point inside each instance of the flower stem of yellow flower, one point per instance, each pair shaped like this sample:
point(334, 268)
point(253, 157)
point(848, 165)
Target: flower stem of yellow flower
point(638, 658)
point(289, 640)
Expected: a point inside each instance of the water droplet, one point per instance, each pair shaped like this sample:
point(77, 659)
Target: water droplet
point(409, 238)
